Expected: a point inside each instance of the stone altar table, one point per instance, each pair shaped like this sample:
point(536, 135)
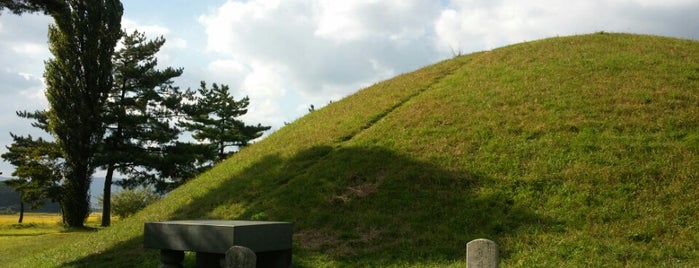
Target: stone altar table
point(210, 239)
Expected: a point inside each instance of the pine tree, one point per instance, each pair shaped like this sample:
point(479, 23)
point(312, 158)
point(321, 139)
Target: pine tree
point(79, 79)
point(38, 170)
point(213, 118)
point(139, 113)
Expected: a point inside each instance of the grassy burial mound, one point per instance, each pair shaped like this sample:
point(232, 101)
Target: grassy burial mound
point(572, 151)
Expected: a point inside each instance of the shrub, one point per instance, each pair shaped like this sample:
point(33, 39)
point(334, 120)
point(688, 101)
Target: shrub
point(129, 201)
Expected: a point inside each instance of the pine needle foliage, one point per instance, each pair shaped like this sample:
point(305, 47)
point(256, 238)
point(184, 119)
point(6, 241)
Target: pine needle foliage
point(214, 118)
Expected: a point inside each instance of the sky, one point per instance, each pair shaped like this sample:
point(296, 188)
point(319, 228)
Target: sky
point(286, 55)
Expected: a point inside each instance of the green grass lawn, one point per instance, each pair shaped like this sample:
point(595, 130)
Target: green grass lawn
point(38, 232)
point(577, 151)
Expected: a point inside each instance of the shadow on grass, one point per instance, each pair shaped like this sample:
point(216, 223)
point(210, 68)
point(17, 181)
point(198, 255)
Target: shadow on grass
point(367, 206)
point(85, 229)
point(129, 253)
point(33, 229)
point(354, 207)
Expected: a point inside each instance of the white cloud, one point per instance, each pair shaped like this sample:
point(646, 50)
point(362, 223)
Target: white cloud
point(151, 30)
point(23, 50)
point(337, 21)
point(176, 43)
point(395, 19)
point(665, 3)
point(227, 71)
point(172, 48)
point(34, 90)
point(29, 48)
point(264, 85)
point(19, 92)
point(319, 48)
point(264, 81)
point(22, 91)
point(473, 25)
point(23, 43)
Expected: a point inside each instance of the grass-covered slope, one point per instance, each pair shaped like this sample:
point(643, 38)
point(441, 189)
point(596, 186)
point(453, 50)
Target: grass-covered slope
point(573, 151)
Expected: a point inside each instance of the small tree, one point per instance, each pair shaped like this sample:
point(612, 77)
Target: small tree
point(213, 118)
point(38, 171)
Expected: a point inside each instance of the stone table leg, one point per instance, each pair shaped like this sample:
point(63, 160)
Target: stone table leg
point(276, 259)
point(208, 260)
point(171, 258)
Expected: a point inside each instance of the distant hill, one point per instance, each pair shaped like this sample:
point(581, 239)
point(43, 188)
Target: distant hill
point(10, 199)
point(578, 151)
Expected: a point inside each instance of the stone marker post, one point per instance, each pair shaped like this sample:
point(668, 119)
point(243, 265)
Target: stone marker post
point(482, 253)
point(239, 257)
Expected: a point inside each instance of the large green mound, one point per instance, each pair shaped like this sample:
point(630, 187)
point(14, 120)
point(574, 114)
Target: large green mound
point(572, 151)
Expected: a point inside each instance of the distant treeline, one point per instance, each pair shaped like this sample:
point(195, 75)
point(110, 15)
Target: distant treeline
point(9, 202)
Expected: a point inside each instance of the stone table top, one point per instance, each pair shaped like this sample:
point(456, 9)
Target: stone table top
point(217, 236)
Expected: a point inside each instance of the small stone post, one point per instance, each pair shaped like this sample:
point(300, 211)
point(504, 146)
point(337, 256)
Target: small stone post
point(482, 253)
point(239, 257)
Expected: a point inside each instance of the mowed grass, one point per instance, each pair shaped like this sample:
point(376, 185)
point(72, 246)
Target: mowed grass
point(37, 232)
point(577, 151)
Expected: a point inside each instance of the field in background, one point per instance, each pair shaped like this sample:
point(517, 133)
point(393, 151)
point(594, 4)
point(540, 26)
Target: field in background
point(32, 218)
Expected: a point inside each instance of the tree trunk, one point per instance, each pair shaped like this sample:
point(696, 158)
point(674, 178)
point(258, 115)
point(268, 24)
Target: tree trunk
point(221, 154)
point(107, 197)
point(75, 200)
point(21, 212)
